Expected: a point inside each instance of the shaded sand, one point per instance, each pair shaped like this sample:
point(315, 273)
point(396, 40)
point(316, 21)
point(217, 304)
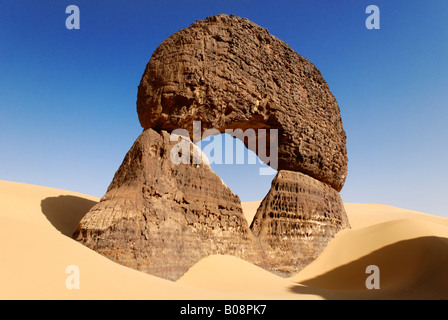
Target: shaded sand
point(44, 206)
point(34, 262)
point(409, 269)
point(409, 247)
point(410, 254)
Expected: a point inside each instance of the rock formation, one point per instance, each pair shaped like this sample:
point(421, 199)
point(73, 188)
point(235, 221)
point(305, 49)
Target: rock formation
point(230, 73)
point(161, 217)
point(296, 220)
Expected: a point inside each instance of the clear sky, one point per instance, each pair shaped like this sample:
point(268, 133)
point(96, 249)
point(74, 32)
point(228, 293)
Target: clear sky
point(68, 97)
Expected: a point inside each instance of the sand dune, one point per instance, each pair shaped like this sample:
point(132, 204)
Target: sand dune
point(231, 274)
point(44, 206)
point(409, 269)
point(408, 247)
point(409, 253)
point(34, 264)
point(250, 209)
point(35, 245)
point(350, 245)
point(363, 215)
point(35, 254)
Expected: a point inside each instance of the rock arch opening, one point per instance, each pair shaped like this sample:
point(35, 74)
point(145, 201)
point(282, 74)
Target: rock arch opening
point(239, 167)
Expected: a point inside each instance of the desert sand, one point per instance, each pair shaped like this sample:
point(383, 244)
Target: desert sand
point(410, 248)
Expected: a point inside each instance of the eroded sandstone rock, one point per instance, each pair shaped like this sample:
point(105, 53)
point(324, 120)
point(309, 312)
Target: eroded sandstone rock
point(227, 72)
point(296, 220)
point(230, 73)
point(161, 218)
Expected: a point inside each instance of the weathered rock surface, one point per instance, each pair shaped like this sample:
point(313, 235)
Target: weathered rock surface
point(296, 220)
point(230, 73)
point(161, 218)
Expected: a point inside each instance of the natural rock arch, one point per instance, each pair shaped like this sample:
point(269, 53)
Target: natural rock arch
point(228, 73)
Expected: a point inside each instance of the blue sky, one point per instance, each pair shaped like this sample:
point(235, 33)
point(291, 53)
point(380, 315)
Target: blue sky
point(67, 97)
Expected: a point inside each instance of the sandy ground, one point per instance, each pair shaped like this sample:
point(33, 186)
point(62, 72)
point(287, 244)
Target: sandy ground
point(410, 248)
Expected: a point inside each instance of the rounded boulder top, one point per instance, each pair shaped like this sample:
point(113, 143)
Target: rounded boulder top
point(230, 73)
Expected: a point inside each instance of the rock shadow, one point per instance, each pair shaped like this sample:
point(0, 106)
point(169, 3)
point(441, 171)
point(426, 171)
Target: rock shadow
point(65, 212)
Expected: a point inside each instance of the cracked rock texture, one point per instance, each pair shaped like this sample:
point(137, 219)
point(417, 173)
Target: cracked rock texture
point(230, 73)
point(296, 220)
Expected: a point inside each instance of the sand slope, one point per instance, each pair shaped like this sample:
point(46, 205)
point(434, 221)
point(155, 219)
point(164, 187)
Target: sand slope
point(231, 274)
point(410, 254)
point(250, 209)
point(363, 215)
point(34, 254)
point(35, 249)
